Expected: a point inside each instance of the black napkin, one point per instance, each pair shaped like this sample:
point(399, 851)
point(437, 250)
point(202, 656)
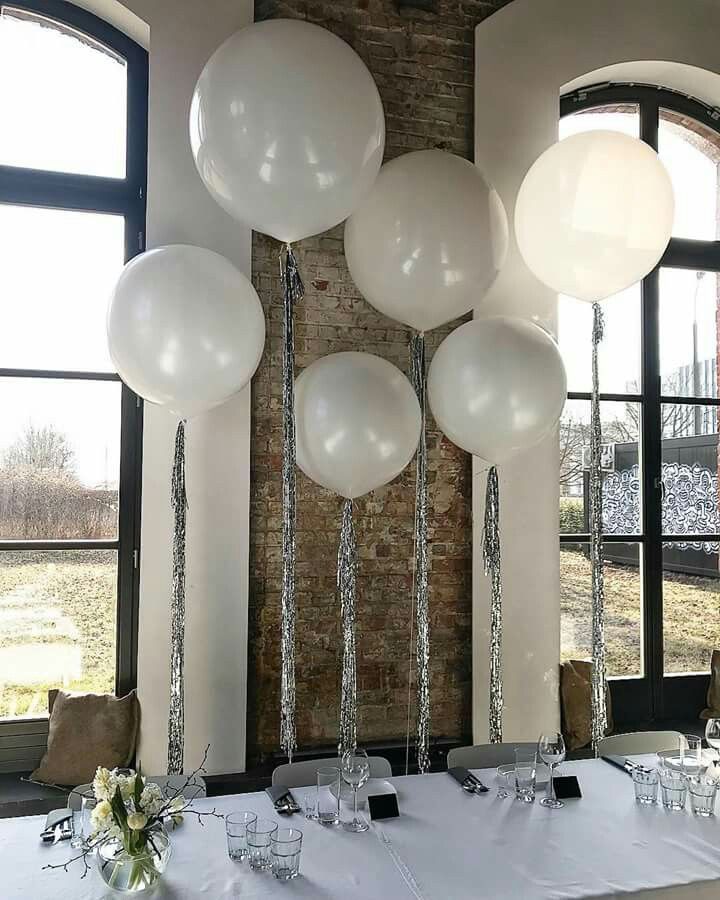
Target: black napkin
point(279, 795)
point(463, 775)
point(619, 762)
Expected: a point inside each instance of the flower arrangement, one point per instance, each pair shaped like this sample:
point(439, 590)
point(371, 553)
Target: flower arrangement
point(129, 825)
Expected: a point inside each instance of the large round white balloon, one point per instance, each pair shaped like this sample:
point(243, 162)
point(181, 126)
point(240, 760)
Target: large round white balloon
point(497, 386)
point(185, 328)
point(429, 239)
point(594, 214)
point(358, 422)
point(287, 128)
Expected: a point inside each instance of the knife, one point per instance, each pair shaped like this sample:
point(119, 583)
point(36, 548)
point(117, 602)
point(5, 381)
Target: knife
point(627, 766)
point(466, 779)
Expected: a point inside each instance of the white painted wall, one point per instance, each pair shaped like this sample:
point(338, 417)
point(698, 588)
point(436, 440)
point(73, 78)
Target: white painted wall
point(181, 35)
point(526, 55)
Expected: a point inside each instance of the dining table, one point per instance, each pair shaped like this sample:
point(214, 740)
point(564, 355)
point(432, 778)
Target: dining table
point(446, 844)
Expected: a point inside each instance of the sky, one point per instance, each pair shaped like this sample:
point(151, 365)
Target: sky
point(62, 107)
point(63, 104)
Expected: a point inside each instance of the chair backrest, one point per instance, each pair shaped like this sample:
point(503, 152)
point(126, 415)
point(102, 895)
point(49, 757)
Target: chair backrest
point(169, 784)
point(639, 742)
point(302, 774)
point(486, 756)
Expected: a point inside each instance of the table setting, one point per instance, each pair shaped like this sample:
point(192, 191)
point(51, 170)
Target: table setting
point(642, 825)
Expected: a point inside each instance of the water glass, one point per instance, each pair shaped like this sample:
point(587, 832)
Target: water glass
point(646, 784)
point(285, 847)
point(674, 788)
point(309, 804)
point(525, 773)
point(259, 842)
point(236, 825)
point(328, 795)
point(690, 752)
point(81, 823)
point(703, 791)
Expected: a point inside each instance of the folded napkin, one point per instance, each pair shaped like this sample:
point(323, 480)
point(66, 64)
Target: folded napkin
point(463, 775)
point(281, 796)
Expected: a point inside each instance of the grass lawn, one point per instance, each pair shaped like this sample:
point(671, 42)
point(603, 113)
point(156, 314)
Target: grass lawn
point(691, 610)
point(57, 626)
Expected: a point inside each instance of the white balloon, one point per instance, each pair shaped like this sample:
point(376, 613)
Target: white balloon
point(429, 239)
point(287, 128)
point(358, 422)
point(185, 328)
point(594, 214)
point(497, 386)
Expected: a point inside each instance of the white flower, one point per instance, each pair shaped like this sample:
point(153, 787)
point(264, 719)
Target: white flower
point(101, 817)
point(151, 799)
point(104, 784)
point(126, 783)
point(137, 821)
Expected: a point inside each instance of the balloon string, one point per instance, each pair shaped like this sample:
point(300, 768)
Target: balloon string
point(176, 714)
point(597, 683)
point(346, 572)
point(292, 293)
point(492, 566)
point(420, 602)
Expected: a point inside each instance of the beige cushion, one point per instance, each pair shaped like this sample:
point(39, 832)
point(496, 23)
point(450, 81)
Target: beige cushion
point(575, 687)
point(87, 731)
point(713, 694)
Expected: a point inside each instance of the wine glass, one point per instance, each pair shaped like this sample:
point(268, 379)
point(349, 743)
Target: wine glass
point(355, 772)
point(551, 750)
point(712, 736)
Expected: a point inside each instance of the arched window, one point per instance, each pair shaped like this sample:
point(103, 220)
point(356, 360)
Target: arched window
point(659, 391)
point(73, 150)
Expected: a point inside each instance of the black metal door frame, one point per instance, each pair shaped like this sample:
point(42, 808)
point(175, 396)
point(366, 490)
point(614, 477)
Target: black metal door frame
point(654, 696)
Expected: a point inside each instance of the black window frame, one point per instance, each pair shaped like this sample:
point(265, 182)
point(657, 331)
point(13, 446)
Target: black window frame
point(121, 196)
point(653, 696)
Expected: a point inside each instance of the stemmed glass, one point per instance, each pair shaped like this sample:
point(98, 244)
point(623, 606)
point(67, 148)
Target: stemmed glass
point(551, 750)
point(355, 772)
point(712, 736)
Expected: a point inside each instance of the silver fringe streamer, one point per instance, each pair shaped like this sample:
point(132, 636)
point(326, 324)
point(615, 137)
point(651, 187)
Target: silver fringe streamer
point(346, 571)
point(176, 715)
point(491, 562)
point(293, 291)
point(597, 696)
point(422, 563)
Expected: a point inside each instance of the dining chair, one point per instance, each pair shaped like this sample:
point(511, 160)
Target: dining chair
point(194, 789)
point(486, 756)
point(639, 742)
point(302, 774)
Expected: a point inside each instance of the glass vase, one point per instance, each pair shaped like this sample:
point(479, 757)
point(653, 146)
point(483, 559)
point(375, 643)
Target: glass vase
point(132, 873)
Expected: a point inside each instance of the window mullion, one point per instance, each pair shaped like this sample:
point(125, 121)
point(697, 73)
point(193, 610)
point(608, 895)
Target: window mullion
point(651, 454)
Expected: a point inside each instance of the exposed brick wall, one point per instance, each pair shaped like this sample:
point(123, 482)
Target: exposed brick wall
point(422, 63)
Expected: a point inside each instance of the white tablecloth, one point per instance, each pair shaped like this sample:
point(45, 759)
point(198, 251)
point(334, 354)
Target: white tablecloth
point(446, 845)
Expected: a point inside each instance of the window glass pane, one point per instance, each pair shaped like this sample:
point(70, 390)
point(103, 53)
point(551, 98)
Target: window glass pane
point(689, 332)
point(59, 458)
point(690, 469)
point(691, 605)
point(59, 267)
point(57, 616)
point(623, 606)
point(62, 98)
point(621, 482)
point(619, 352)
point(691, 154)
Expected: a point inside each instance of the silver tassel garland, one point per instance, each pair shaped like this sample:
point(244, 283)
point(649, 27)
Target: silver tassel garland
point(491, 562)
point(597, 695)
point(346, 572)
point(293, 291)
point(422, 562)
point(176, 715)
